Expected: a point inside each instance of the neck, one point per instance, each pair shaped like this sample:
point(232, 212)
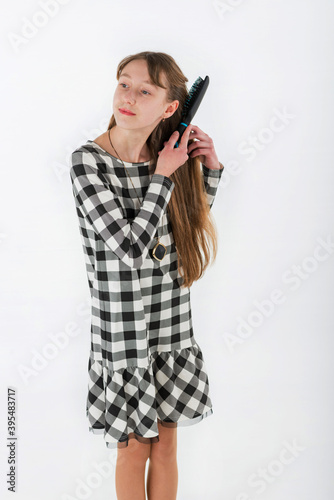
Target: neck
point(130, 144)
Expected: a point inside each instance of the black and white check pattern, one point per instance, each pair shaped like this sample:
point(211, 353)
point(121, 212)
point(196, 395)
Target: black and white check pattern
point(144, 364)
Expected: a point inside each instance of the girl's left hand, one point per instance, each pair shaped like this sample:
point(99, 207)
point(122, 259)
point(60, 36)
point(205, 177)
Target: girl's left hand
point(203, 148)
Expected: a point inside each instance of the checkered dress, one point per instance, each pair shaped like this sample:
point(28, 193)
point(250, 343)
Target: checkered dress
point(144, 364)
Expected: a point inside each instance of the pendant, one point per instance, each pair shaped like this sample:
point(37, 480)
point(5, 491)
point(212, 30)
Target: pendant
point(159, 251)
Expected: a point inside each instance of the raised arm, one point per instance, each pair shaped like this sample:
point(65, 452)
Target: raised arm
point(211, 181)
point(96, 201)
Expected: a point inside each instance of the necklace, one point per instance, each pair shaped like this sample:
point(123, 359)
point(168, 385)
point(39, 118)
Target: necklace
point(159, 251)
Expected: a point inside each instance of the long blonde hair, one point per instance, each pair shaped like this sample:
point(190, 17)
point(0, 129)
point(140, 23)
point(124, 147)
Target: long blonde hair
point(190, 216)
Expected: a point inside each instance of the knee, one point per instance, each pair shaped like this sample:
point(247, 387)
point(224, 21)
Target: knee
point(165, 451)
point(137, 453)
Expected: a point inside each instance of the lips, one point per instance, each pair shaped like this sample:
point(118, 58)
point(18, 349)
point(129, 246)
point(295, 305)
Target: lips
point(126, 112)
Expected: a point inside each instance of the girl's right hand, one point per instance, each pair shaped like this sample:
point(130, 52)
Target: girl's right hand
point(170, 158)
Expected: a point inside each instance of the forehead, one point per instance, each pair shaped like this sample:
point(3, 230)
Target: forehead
point(129, 76)
point(138, 70)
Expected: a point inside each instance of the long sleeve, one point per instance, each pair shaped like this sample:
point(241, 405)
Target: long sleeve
point(211, 181)
point(96, 201)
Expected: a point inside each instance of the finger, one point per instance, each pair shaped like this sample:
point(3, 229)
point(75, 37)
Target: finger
point(185, 135)
point(201, 147)
point(198, 144)
point(198, 133)
point(174, 137)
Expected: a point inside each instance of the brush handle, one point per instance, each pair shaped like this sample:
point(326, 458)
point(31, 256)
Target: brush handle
point(181, 128)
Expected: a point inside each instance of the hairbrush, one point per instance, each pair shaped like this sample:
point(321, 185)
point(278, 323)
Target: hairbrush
point(191, 104)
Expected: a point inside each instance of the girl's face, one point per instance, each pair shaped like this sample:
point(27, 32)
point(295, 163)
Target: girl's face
point(137, 94)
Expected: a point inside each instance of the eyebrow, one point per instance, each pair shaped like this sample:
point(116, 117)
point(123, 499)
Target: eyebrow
point(145, 81)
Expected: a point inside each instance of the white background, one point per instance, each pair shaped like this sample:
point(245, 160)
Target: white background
point(271, 383)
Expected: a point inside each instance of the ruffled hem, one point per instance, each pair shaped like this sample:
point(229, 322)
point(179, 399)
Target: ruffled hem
point(155, 439)
point(128, 403)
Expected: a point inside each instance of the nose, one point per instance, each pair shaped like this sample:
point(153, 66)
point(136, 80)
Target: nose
point(129, 97)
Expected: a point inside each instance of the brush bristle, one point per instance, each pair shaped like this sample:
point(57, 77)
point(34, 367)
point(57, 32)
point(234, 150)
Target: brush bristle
point(196, 87)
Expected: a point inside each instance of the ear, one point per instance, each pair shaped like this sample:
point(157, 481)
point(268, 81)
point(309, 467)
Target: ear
point(172, 107)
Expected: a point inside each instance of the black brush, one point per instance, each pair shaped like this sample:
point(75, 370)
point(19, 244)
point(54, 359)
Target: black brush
point(191, 104)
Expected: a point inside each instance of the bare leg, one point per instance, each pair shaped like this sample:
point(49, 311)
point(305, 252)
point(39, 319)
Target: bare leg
point(162, 476)
point(130, 471)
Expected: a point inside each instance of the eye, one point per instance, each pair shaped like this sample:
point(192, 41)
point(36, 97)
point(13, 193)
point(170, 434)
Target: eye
point(147, 93)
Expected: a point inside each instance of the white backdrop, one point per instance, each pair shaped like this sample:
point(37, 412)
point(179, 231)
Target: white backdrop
point(262, 311)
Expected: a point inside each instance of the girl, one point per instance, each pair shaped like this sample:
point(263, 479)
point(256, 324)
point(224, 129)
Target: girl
point(144, 216)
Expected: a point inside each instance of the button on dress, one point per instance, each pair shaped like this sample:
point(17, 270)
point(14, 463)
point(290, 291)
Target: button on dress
point(144, 364)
